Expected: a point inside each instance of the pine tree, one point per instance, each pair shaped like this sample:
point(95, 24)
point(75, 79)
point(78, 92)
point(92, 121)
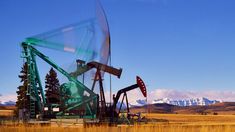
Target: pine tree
point(22, 98)
point(52, 88)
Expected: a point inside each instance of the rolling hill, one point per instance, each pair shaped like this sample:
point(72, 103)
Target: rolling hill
point(218, 108)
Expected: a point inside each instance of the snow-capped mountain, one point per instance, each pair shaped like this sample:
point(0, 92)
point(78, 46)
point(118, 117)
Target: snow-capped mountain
point(7, 103)
point(132, 104)
point(187, 102)
point(183, 102)
point(139, 102)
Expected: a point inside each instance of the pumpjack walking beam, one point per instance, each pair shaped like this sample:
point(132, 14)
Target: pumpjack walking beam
point(139, 83)
point(82, 68)
point(34, 87)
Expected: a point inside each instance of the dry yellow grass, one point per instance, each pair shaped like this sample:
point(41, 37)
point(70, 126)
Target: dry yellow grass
point(186, 118)
point(135, 128)
point(6, 112)
point(177, 123)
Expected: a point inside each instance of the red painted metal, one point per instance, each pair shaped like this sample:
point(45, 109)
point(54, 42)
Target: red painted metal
point(142, 86)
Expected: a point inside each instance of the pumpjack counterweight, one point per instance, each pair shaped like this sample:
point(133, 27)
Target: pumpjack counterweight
point(76, 99)
point(76, 104)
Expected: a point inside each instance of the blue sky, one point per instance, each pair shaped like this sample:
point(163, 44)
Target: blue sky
point(172, 44)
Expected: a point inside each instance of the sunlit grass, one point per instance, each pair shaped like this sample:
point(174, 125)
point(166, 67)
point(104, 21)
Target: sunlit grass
point(135, 128)
point(177, 123)
point(6, 112)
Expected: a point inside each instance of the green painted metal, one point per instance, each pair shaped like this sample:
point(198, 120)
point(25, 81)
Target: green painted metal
point(86, 46)
point(58, 46)
point(49, 39)
point(34, 84)
point(73, 92)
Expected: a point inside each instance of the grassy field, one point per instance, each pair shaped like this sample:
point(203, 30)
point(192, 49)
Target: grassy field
point(6, 113)
point(176, 123)
point(187, 118)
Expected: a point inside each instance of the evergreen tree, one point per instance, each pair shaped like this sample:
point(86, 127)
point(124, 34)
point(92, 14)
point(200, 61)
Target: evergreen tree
point(52, 88)
point(22, 98)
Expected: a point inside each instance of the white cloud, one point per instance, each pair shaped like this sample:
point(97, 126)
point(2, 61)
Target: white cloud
point(177, 94)
point(159, 94)
point(8, 97)
point(132, 95)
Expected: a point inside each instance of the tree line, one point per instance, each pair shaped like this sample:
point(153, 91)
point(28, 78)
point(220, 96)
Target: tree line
point(52, 91)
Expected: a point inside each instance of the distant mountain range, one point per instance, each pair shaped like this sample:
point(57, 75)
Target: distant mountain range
point(187, 102)
point(225, 108)
point(184, 102)
point(7, 103)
